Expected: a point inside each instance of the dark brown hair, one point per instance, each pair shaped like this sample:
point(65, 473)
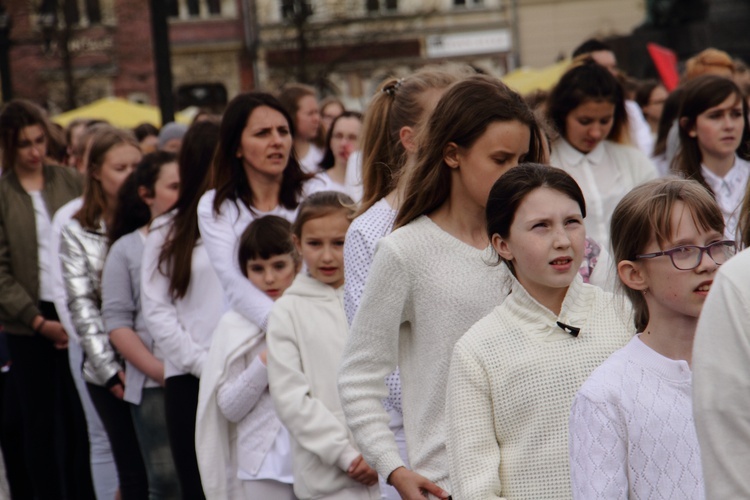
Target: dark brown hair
point(264, 238)
point(329, 160)
point(645, 214)
point(587, 81)
point(513, 186)
point(700, 94)
point(175, 259)
point(14, 116)
point(321, 204)
point(229, 174)
point(461, 117)
point(132, 212)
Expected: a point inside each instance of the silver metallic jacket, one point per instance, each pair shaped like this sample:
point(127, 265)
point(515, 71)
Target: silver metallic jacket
point(82, 252)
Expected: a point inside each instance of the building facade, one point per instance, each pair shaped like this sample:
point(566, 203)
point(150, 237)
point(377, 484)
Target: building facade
point(344, 47)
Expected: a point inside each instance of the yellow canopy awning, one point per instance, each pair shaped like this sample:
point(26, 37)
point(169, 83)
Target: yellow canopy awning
point(119, 112)
point(525, 80)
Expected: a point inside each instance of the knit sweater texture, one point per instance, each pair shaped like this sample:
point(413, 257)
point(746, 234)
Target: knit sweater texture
point(631, 430)
point(512, 381)
point(721, 382)
point(424, 290)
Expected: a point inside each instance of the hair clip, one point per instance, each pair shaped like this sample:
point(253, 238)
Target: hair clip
point(391, 89)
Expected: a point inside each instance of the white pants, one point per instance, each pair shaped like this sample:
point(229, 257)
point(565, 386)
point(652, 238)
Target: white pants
point(267, 488)
point(103, 471)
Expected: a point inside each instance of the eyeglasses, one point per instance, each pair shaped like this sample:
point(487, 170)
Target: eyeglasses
point(689, 257)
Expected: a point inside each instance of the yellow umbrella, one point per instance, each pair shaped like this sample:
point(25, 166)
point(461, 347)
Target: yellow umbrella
point(525, 80)
point(119, 112)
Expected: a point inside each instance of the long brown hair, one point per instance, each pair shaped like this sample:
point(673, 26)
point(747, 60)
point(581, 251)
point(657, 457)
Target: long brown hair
point(15, 116)
point(396, 104)
point(176, 257)
point(645, 213)
point(700, 94)
point(94, 200)
point(461, 117)
point(229, 174)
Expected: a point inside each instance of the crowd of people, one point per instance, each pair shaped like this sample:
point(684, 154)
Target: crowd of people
point(460, 293)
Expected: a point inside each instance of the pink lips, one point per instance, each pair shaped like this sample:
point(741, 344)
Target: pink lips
point(562, 263)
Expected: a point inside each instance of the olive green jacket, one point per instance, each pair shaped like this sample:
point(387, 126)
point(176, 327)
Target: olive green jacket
point(19, 261)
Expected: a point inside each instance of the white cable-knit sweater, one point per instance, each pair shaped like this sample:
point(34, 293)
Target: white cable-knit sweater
point(424, 290)
point(631, 430)
point(512, 380)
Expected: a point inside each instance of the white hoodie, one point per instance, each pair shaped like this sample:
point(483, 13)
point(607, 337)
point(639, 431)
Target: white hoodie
point(307, 331)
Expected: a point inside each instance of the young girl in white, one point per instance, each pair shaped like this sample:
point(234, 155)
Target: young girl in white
point(514, 374)
point(631, 427)
point(429, 281)
point(715, 143)
point(243, 449)
point(306, 334)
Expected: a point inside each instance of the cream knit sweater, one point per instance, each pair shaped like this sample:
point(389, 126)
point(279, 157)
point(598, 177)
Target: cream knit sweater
point(425, 289)
point(512, 381)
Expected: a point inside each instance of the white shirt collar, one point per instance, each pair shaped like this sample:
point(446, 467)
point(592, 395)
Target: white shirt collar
point(571, 156)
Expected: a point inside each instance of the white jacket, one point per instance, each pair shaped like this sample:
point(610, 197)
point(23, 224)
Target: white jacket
point(217, 440)
point(307, 331)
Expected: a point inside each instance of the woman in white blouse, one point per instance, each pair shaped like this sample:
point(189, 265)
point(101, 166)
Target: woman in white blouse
point(588, 109)
point(715, 143)
point(256, 174)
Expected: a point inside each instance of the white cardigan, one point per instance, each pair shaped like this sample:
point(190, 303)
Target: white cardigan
point(605, 175)
point(223, 446)
point(181, 328)
point(512, 381)
point(307, 330)
point(631, 430)
point(721, 382)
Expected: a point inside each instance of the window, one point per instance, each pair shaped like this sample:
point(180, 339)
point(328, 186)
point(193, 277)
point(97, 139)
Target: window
point(381, 5)
point(468, 3)
point(191, 9)
point(72, 12)
point(296, 9)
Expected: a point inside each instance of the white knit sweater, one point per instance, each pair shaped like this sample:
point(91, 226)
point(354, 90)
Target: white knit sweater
point(631, 430)
point(512, 380)
point(424, 290)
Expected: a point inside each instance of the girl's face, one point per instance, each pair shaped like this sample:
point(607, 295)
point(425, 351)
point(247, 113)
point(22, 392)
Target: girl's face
point(308, 118)
point(272, 275)
point(589, 124)
point(32, 148)
point(653, 109)
point(330, 113)
point(670, 292)
point(719, 129)
point(345, 138)
point(501, 147)
point(321, 246)
point(545, 243)
point(166, 190)
point(119, 162)
point(266, 143)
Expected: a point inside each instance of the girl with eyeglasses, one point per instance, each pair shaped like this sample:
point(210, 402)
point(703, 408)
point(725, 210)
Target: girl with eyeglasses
point(632, 433)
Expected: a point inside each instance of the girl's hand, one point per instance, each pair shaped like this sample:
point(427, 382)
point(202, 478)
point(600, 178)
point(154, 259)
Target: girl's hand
point(54, 332)
point(412, 486)
point(118, 390)
point(361, 472)
point(264, 357)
